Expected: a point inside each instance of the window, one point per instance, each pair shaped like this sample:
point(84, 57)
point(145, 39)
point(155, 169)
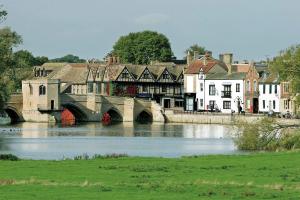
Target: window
point(125, 74)
point(264, 89)
point(274, 104)
point(146, 75)
point(285, 87)
point(226, 104)
point(212, 90)
point(255, 86)
point(178, 103)
point(238, 87)
point(145, 88)
point(42, 90)
point(90, 87)
point(165, 75)
point(248, 88)
point(286, 104)
point(264, 104)
point(212, 104)
point(275, 89)
point(98, 88)
point(201, 102)
point(164, 88)
point(201, 87)
point(30, 89)
point(270, 89)
point(248, 103)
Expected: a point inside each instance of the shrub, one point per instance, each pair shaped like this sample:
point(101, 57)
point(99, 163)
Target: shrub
point(10, 157)
point(267, 135)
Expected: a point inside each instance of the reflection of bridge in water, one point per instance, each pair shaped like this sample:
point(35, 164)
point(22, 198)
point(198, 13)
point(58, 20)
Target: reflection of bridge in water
point(86, 108)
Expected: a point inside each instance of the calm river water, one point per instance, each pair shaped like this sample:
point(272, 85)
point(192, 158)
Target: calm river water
point(45, 141)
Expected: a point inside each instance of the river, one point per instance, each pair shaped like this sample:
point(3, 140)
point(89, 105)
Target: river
point(52, 142)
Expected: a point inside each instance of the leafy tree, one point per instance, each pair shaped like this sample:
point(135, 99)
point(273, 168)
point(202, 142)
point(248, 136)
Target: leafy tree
point(8, 40)
point(40, 60)
point(23, 59)
point(3, 14)
point(287, 64)
point(143, 47)
point(69, 58)
point(195, 47)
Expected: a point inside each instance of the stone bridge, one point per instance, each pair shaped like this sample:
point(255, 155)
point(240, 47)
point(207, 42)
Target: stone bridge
point(89, 108)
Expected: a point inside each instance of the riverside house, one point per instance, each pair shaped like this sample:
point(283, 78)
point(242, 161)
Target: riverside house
point(220, 86)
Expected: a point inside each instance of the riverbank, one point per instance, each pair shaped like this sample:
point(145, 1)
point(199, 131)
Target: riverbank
point(173, 116)
point(257, 176)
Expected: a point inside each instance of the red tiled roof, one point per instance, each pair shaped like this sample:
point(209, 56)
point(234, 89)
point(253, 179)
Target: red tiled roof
point(196, 65)
point(241, 67)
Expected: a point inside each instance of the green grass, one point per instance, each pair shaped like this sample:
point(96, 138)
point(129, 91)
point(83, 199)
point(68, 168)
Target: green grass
point(257, 176)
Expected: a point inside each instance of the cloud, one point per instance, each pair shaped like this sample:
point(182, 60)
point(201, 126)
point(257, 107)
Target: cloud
point(152, 19)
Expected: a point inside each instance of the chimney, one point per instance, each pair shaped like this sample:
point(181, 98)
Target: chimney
point(227, 59)
point(196, 55)
point(109, 60)
point(208, 54)
point(189, 58)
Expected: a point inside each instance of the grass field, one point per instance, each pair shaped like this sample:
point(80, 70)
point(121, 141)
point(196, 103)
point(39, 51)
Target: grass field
point(257, 176)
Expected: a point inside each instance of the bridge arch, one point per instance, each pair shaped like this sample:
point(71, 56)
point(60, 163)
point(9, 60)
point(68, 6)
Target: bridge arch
point(78, 113)
point(115, 114)
point(144, 117)
point(14, 114)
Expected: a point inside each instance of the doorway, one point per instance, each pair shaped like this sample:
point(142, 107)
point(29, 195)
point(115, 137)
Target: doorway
point(167, 103)
point(52, 104)
point(255, 105)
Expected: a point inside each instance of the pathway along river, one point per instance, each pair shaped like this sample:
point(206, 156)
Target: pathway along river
point(46, 141)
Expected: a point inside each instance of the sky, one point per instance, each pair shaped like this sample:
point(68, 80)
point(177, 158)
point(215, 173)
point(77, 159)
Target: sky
point(250, 29)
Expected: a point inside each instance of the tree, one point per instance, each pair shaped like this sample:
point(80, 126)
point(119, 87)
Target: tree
point(8, 40)
point(143, 47)
point(23, 59)
point(40, 60)
point(69, 59)
point(287, 64)
point(3, 14)
point(195, 47)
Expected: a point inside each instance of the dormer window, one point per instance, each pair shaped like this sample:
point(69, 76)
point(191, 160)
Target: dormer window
point(165, 75)
point(125, 74)
point(146, 75)
point(201, 74)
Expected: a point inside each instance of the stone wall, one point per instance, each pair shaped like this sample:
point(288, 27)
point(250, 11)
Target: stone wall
point(210, 118)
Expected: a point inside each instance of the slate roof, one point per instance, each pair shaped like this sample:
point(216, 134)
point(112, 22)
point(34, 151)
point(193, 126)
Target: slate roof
point(225, 76)
point(78, 72)
point(270, 78)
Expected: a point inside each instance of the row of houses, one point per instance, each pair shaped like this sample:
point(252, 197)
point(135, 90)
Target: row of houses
point(202, 84)
point(223, 86)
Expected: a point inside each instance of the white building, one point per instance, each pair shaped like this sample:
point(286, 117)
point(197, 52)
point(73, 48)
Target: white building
point(211, 85)
point(224, 92)
point(269, 94)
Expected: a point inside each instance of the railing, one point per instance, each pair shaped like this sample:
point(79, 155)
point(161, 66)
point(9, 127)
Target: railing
point(226, 94)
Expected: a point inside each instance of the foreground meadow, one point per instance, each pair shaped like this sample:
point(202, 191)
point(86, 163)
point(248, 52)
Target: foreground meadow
point(256, 176)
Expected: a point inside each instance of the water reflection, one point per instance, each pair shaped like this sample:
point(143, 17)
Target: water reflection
point(50, 141)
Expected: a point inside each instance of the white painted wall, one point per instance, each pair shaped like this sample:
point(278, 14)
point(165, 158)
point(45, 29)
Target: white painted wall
point(269, 98)
point(190, 88)
point(219, 84)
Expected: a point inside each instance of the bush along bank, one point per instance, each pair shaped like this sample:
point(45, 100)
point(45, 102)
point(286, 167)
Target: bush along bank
point(266, 134)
